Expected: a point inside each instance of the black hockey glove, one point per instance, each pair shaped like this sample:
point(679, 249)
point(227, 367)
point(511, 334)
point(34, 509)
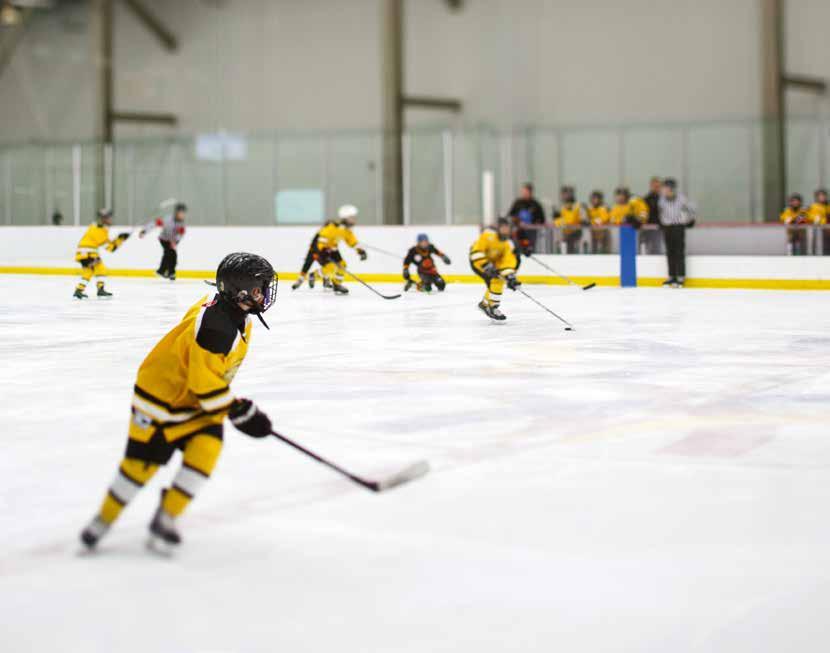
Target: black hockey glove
point(690, 224)
point(406, 274)
point(123, 236)
point(512, 282)
point(249, 419)
point(362, 253)
point(489, 271)
point(446, 259)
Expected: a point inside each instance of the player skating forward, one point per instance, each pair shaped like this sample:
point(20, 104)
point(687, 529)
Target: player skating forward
point(96, 236)
point(421, 256)
point(172, 231)
point(493, 258)
point(328, 239)
point(182, 395)
point(311, 256)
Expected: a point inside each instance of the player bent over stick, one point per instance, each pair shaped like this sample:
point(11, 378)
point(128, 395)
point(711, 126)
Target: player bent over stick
point(328, 254)
point(96, 236)
point(493, 258)
point(182, 395)
point(421, 256)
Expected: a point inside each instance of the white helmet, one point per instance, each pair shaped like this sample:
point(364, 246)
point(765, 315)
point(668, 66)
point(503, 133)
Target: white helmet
point(347, 211)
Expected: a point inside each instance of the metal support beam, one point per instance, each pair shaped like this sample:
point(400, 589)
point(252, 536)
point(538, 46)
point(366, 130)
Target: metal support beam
point(154, 24)
point(805, 83)
point(774, 109)
point(425, 102)
point(135, 116)
point(392, 110)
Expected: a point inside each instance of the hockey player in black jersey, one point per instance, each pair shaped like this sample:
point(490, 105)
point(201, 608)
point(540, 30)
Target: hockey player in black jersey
point(421, 257)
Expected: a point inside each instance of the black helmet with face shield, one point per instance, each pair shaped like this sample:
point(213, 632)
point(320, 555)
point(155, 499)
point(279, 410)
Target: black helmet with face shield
point(247, 279)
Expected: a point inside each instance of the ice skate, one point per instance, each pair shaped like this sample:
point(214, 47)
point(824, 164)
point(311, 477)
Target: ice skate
point(103, 294)
point(164, 538)
point(492, 312)
point(95, 530)
point(80, 294)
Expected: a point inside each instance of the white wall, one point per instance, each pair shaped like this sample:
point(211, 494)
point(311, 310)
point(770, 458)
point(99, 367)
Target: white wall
point(257, 64)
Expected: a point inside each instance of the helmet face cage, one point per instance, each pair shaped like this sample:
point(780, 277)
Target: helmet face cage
point(248, 279)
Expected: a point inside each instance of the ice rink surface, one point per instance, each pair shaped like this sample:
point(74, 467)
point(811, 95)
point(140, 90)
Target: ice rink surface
point(657, 480)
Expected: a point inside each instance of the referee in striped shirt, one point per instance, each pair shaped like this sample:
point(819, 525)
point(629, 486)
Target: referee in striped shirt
point(677, 214)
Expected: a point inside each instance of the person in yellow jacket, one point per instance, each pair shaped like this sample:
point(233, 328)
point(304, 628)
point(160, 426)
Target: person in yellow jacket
point(493, 258)
point(328, 239)
point(600, 218)
point(796, 216)
point(95, 237)
point(570, 217)
point(628, 210)
point(182, 395)
point(819, 214)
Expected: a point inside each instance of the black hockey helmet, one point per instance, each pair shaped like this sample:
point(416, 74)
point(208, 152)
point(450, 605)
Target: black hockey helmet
point(598, 195)
point(796, 197)
point(180, 206)
point(567, 194)
point(249, 279)
point(622, 190)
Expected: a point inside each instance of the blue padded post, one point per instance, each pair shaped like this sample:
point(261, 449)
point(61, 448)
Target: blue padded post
point(628, 257)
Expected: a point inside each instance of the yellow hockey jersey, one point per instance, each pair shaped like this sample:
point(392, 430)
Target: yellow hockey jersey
point(635, 206)
point(489, 248)
point(95, 237)
point(332, 233)
point(571, 215)
point(818, 213)
point(599, 215)
point(789, 216)
point(183, 384)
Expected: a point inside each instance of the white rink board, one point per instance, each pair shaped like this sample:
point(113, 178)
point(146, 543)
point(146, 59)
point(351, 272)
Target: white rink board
point(204, 247)
point(654, 481)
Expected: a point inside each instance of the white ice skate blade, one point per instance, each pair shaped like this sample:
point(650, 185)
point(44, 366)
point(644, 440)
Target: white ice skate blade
point(159, 547)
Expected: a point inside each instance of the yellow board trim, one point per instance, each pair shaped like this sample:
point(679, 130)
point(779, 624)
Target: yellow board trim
point(755, 284)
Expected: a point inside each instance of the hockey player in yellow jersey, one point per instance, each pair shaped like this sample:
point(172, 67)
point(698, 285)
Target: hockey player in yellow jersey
point(819, 214)
point(600, 218)
point(328, 239)
point(570, 217)
point(796, 214)
point(493, 258)
point(628, 209)
point(87, 253)
point(182, 395)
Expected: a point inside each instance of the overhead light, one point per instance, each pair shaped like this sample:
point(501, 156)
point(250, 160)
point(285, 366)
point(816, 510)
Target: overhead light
point(9, 15)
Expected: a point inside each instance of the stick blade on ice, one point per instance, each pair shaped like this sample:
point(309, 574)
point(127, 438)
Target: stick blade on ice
point(411, 473)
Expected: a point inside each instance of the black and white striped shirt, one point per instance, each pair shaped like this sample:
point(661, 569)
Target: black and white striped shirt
point(678, 210)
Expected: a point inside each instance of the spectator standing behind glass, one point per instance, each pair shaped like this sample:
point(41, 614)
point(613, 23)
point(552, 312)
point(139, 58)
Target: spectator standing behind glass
point(527, 210)
point(600, 218)
point(795, 214)
point(570, 217)
point(818, 214)
point(677, 214)
point(651, 237)
point(628, 209)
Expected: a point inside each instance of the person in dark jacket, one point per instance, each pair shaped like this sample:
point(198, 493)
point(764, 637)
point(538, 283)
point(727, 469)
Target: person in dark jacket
point(526, 210)
point(651, 237)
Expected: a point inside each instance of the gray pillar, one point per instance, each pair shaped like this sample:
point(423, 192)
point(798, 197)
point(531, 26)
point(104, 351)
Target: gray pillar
point(773, 109)
point(392, 109)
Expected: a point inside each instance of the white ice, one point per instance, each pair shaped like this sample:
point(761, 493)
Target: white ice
point(656, 480)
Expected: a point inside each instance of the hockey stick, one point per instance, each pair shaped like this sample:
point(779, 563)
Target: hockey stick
point(569, 327)
point(357, 278)
point(558, 274)
point(414, 471)
point(382, 251)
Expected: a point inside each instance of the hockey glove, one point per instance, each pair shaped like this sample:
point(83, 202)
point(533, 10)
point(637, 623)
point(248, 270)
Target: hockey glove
point(362, 253)
point(249, 419)
point(690, 224)
point(406, 274)
point(489, 271)
point(446, 259)
point(123, 236)
point(512, 282)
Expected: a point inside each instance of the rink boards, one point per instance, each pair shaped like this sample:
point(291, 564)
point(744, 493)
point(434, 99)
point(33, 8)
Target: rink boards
point(50, 250)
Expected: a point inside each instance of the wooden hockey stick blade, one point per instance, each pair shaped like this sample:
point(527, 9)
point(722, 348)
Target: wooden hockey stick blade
point(411, 473)
point(589, 286)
